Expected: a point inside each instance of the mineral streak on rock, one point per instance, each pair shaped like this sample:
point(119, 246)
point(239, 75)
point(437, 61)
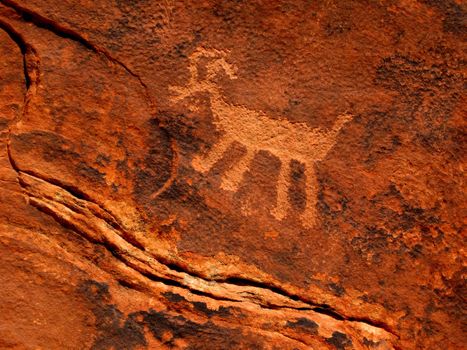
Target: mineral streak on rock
point(232, 174)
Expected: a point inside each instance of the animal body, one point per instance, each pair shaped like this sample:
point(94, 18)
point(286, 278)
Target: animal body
point(257, 132)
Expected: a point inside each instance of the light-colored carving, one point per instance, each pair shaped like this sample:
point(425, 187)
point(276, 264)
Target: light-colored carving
point(257, 132)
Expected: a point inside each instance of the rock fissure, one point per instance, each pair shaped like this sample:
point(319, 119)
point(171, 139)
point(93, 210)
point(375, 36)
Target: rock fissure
point(32, 75)
point(31, 67)
point(77, 214)
point(65, 32)
point(62, 31)
point(178, 174)
point(31, 71)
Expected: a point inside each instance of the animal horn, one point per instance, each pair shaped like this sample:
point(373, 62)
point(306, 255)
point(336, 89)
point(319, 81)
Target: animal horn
point(208, 53)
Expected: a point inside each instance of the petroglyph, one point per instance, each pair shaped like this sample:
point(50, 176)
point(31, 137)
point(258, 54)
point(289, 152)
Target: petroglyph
point(258, 132)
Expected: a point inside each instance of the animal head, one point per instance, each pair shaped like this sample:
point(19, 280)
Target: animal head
point(216, 64)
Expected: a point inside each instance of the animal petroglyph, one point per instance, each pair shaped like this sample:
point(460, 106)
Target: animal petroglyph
point(257, 132)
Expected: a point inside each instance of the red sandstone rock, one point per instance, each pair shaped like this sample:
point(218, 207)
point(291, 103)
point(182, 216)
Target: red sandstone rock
point(232, 174)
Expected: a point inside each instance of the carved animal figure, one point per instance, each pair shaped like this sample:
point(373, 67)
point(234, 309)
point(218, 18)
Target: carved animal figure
point(256, 131)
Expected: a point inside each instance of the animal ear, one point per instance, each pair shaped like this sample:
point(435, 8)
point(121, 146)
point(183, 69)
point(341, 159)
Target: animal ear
point(346, 117)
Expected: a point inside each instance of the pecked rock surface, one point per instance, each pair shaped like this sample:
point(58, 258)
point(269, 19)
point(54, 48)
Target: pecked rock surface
point(232, 174)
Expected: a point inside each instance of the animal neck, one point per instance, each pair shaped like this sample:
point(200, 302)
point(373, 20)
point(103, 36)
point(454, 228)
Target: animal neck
point(338, 125)
point(215, 97)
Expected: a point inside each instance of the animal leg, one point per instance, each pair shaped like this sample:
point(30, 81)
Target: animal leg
point(283, 182)
point(233, 177)
point(308, 215)
point(204, 163)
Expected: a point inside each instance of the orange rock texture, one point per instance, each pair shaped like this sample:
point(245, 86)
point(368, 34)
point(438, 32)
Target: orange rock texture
point(213, 174)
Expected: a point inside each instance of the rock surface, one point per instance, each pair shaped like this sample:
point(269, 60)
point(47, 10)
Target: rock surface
point(232, 174)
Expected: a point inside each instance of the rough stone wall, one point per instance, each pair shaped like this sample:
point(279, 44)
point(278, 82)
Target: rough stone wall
point(212, 174)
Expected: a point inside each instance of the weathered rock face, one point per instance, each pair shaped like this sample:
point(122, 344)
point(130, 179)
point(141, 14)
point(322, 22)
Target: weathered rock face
point(232, 174)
